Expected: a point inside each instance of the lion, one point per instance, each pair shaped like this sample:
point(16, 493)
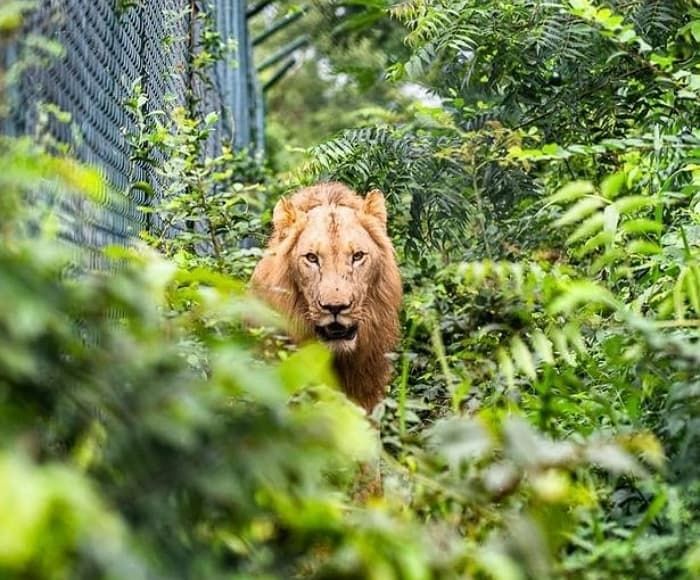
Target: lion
point(330, 268)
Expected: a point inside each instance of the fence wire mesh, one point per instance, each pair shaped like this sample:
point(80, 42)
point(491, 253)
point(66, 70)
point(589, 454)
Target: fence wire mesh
point(107, 45)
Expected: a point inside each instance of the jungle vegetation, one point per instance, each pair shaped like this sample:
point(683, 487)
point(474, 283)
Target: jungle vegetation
point(544, 419)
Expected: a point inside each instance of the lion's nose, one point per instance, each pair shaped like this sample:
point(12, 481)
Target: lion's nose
point(335, 309)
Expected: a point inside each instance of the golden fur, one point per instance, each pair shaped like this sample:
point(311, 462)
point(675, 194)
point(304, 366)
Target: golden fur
point(330, 267)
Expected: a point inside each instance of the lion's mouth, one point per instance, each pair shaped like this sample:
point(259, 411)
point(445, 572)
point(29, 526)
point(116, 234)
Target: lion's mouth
point(336, 331)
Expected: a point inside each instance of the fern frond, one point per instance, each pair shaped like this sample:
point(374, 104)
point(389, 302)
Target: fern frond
point(405, 167)
point(560, 37)
point(654, 20)
point(559, 305)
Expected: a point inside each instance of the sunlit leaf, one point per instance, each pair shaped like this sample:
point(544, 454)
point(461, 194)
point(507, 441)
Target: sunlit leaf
point(523, 357)
point(611, 186)
point(633, 203)
point(588, 227)
point(309, 365)
point(572, 191)
point(543, 346)
point(578, 211)
point(460, 440)
point(582, 292)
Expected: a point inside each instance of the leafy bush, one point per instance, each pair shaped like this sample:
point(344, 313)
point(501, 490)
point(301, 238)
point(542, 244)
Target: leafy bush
point(560, 283)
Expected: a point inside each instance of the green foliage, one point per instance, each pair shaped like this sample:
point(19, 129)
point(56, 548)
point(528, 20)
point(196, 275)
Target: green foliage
point(205, 200)
point(544, 418)
point(560, 283)
point(140, 438)
point(336, 84)
point(434, 172)
point(208, 208)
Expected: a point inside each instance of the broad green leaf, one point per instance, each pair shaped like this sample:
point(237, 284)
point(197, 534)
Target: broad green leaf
point(542, 346)
point(642, 226)
point(505, 364)
point(579, 210)
point(587, 228)
point(339, 423)
point(591, 245)
point(310, 365)
point(679, 295)
point(523, 357)
point(692, 284)
point(572, 191)
point(562, 346)
point(634, 203)
point(579, 293)
point(235, 372)
point(611, 186)
point(644, 247)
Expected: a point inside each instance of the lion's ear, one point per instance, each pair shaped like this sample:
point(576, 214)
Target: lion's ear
point(374, 205)
point(284, 215)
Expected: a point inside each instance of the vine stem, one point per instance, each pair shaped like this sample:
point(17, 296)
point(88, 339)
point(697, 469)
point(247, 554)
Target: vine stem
point(215, 243)
point(480, 206)
point(403, 382)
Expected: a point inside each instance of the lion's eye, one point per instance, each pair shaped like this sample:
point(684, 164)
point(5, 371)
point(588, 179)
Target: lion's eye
point(311, 257)
point(357, 256)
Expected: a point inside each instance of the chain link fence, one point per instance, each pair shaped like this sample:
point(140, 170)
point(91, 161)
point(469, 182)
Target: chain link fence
point(106, 46)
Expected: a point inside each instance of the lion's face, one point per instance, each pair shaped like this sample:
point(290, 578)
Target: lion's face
point(330, 269)
point(335, 262)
